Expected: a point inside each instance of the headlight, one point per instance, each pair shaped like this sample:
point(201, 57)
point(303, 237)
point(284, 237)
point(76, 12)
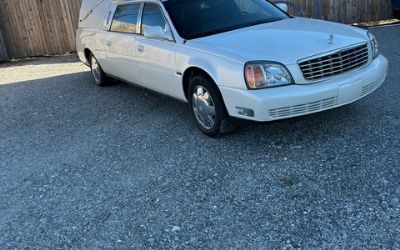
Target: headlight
point(260, 75)
point(374, 45)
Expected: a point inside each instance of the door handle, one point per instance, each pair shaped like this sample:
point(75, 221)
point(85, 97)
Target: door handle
point(140, 48)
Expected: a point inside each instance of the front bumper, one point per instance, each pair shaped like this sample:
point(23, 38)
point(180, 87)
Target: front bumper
point(297, 100)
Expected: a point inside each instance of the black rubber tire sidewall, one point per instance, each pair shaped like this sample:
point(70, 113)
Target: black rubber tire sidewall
point(103, 78)
point(220, 113)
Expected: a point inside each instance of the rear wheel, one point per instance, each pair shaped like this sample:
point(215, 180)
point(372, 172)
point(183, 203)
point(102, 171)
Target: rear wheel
point(97, 72)
point(206, 105)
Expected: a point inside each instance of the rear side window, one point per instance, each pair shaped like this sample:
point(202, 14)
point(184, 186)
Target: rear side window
point(153, 17)
point(125, 18)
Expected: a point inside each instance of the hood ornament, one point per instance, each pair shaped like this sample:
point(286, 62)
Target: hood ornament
point(331, 38)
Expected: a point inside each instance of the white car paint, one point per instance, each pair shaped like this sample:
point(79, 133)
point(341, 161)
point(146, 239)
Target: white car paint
point(162, 64)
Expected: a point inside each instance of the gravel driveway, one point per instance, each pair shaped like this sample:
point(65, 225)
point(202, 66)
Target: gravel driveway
point(122, 167)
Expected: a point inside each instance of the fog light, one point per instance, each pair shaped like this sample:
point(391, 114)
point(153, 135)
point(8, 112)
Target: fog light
point(245, 111)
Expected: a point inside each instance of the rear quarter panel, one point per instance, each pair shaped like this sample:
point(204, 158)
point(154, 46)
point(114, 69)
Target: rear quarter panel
point(89, 34)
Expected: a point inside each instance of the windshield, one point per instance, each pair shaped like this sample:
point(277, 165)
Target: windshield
point(198, 18)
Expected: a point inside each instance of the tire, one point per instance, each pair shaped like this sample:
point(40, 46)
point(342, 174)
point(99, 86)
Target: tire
point(206, 105)
point(98, 74)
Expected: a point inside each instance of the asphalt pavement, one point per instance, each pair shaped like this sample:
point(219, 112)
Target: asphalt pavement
point(121, 167)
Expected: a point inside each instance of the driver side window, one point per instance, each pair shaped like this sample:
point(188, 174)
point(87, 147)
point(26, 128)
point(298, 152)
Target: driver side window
point(154, 17)
point(125, 18)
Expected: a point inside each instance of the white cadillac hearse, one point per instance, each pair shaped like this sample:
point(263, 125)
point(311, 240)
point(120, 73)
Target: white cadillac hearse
point(229, 58)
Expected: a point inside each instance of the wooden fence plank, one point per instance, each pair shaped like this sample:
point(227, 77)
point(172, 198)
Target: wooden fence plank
point(67, 18)
point(43, 19)
point(27, 32)
point(3, 50)
point(12, 35)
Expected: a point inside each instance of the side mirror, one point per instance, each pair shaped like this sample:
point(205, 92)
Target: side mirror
point(283, 6)
point(156, 32)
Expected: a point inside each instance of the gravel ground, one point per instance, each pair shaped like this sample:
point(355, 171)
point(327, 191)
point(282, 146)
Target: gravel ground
point(122, 167)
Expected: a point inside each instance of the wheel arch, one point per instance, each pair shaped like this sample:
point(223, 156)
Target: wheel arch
point(196, 70)
point(192, 71)
point(87, 52)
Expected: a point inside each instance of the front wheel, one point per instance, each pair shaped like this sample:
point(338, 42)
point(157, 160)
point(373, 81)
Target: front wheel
point(206, 105)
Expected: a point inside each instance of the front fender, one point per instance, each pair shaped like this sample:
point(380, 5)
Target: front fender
point(224, 72)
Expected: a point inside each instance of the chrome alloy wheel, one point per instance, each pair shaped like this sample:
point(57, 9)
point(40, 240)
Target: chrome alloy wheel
point(95, 67)
point(203, 107)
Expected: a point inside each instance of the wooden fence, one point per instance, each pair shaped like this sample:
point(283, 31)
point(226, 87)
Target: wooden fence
point(37, 27)
point(347, 11)
point(47, 27)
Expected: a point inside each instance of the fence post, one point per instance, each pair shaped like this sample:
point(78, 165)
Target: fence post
point(3, 49)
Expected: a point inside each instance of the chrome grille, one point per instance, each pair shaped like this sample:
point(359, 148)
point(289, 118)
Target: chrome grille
point(335, 63)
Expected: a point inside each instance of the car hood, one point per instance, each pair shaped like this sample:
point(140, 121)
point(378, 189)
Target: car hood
point(285, 41)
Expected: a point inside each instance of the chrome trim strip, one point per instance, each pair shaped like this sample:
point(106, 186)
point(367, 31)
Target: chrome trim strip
point(139, 21)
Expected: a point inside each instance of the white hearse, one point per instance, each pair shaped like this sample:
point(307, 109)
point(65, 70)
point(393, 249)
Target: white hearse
point(246, 59)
